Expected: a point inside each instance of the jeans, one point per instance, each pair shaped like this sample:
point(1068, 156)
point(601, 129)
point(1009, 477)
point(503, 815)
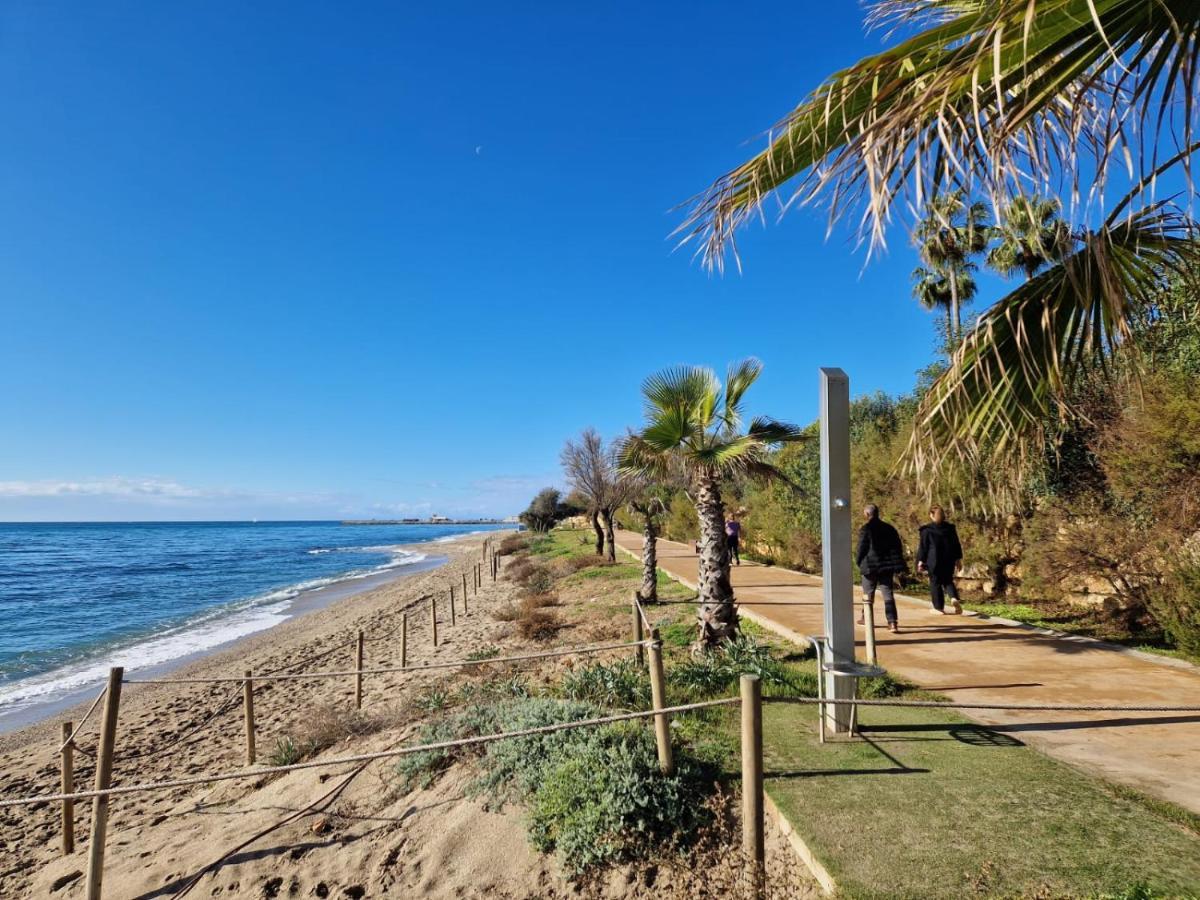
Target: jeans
point(940, 587)
point(884, 585)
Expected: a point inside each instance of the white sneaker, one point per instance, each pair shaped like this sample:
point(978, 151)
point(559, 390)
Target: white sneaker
point(957, 608)
point(933, 610)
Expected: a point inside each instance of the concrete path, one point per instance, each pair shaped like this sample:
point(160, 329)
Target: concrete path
point(976, 659)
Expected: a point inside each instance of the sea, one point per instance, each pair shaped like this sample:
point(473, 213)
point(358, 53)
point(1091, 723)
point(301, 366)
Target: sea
point(78, 598)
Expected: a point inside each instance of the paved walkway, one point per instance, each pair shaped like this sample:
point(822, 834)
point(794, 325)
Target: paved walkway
point(976, 659)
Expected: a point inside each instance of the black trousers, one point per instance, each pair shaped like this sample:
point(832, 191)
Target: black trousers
point(882, 583)
point(732, 543)
point(941, 587)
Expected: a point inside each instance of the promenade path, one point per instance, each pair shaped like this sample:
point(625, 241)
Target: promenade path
point(976, 659)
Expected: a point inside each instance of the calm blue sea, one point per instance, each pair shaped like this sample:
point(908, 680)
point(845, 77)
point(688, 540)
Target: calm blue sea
point(78, 598)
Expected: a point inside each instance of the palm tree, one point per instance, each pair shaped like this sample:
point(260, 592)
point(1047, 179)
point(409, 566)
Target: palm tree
point(951, 233)
point(994, 99)
point(1029, 236)
point(931, 288)
point(694, 426)
point(651, 502)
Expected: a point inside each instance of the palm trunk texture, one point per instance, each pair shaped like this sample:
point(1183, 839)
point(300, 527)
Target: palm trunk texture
point(649, 591)
point(718, 616)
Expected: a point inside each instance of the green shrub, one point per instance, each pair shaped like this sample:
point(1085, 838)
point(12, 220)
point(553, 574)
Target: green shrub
point(622, 684)
point(717, 671)
point(539, 581)
point(607, 801)
point(1176, 606)
point(286, 752)
point(488, 652)
point(594, 794)
point(436, 698)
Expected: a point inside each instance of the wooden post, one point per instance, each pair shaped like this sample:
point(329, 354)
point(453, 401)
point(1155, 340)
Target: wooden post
point(67, 786)
point(478, 578)
point(404, 640)
point(753, 845)
point(639, 652)
point(464, 574)
point(433, 618)
point(248, 715)
point(662, 725)
point(464, 603)
point(869, 624)
point(104, 765)
point(358, 667)
point(453, 620)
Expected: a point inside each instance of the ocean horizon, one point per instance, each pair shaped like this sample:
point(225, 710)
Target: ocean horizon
point(79, 597)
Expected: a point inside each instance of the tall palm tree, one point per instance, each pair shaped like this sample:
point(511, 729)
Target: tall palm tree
point(996, 98)
point(1029, 236)
point(931, 288)
point(694, 426)
point(952, 232)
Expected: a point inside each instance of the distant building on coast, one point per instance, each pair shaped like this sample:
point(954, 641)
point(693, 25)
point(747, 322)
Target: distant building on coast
point(439, 520)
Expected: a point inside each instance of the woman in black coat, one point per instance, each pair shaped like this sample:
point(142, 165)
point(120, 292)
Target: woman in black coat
point(940, 554)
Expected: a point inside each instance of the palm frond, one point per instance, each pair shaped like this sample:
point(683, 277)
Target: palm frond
point(638, 458)
point(738, 379)
point(990, 97)
point(686, 390)
point(770, 431)
point(1012, 372)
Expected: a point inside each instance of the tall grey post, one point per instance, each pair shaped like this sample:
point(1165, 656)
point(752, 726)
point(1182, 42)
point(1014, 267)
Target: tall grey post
point(835, 540)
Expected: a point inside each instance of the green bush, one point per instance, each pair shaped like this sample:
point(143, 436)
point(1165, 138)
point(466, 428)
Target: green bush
point(1176, 606)
point(716, 671)
point(286, 752)
point(594, 794)
point(622, 684)
point(607, 801)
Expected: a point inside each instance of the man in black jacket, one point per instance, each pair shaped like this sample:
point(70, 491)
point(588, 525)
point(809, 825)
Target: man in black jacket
point(880, 557)
point(940, 553)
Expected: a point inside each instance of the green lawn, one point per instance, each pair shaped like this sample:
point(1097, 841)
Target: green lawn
point(931, 805)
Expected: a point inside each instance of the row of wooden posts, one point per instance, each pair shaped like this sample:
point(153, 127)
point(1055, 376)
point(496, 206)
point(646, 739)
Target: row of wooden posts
point(753, 823)
point(112, 699)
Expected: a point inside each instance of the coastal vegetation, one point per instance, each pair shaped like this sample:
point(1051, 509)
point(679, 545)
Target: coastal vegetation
point(694, 431)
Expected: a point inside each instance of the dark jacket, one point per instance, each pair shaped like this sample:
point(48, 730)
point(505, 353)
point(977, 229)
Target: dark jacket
point(940, 548)
point(879, 550)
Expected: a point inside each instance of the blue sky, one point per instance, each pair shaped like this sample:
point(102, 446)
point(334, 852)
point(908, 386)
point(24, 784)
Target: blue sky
point(290, 260)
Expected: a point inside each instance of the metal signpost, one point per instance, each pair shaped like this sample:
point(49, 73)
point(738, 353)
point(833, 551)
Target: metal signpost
point(835, 541)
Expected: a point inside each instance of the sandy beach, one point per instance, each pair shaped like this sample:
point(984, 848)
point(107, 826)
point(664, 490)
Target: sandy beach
point(175, 730)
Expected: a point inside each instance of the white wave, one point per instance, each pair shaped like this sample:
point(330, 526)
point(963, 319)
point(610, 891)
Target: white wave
point(214, 627)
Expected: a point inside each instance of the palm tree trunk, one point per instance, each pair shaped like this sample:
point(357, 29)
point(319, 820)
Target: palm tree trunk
point(599, 532)
point(956, 333)
point(610, 537)
point(718, 615)
point(649, 591)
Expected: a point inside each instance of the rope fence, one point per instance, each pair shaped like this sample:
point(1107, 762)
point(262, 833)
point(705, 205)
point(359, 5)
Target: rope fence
point(953, 704)
point(260, 771)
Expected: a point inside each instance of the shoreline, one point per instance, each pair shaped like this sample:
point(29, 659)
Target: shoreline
point(307, 612)
point(77, 699)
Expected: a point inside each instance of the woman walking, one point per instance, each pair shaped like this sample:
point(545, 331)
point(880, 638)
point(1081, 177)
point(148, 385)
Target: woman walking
point(880, 557)
point(940, 554)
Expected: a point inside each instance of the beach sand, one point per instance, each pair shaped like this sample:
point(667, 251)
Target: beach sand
point(329, 832)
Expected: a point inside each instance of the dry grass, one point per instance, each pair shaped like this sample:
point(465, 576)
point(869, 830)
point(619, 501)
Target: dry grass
point(325, 725)
point(514, 543)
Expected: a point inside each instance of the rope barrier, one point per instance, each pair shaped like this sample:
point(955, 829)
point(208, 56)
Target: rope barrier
point(1029, 707)
point(364, 757)
point(91, 709)
point(379, 671)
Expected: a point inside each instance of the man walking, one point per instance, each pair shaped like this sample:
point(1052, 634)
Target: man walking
point(880, 557)
point(940, 554)
point(733, 534)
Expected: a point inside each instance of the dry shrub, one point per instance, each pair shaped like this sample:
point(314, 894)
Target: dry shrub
point(520, 569)
point(326, 725)
point(538, 601)
point(509, 612)
point(572, 564)
point(514, 543)
point(539, 624)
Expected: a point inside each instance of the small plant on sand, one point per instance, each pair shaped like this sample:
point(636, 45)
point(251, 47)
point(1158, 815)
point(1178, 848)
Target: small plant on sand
point(621, 684)
point(489, 652)
point(438, 697)
point(514, 543)
point(287, 752)
point(327, 725)
point(539, 624)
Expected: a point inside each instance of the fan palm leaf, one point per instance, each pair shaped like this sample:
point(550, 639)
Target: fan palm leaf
point(990, 95)
point(1009, 376)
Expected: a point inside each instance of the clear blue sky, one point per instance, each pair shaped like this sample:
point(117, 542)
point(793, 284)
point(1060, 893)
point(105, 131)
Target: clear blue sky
point(318, 260)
